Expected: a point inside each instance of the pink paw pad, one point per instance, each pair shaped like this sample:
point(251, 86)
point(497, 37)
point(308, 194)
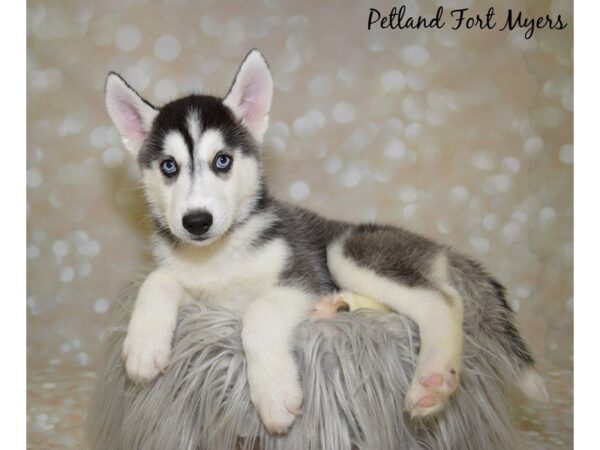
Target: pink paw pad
point(427, 401)
point(429, 395)
point(329, 306)
point(432, 380)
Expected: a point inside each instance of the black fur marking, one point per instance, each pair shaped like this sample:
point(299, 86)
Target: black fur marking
point(515, 342)
point(500, 293)
point(212, 114)
point(307, 236)
point(393, 253)
point(189, 143)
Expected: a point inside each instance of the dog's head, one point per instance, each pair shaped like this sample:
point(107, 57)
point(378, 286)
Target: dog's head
point(199, 155)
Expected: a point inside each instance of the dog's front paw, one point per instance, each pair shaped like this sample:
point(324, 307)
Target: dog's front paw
point(430, 390)
point(328, 306)
point(146, 355)
point(278, 406)
point(277, 400)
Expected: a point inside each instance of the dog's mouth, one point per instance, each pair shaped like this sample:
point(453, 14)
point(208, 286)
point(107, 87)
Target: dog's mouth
point(203, 240)
point(199, 240)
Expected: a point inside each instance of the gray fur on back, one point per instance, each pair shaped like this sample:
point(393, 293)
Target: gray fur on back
point(355, 370)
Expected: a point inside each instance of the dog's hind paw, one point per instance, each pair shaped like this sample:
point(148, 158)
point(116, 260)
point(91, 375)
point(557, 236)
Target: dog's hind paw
point(430, 391)
point(328, 306)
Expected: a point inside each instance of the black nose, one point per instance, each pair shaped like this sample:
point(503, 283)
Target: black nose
point(197, 222)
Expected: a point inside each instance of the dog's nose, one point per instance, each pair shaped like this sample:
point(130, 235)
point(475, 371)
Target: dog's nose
point(197, 222)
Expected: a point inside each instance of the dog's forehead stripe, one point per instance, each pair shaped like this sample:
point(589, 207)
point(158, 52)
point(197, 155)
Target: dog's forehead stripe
point(193, 129)
point(193, 124)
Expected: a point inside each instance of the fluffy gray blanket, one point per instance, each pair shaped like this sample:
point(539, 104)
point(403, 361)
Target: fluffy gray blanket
point(355, 370)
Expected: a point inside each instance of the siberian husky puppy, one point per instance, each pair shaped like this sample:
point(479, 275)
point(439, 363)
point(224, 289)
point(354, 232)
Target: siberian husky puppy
point(222, 238)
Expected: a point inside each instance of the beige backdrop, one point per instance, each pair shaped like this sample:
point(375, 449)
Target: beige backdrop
point(464, 136)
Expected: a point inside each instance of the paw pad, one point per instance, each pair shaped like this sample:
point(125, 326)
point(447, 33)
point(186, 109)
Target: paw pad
point(329, 306)
point(429, 395)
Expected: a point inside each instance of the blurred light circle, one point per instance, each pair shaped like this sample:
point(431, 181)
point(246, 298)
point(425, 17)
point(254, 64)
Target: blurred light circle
point(167, 48)
point(128, 38)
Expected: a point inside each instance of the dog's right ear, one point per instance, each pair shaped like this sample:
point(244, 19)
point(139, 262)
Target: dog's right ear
point(250, 95)
point(131, 114)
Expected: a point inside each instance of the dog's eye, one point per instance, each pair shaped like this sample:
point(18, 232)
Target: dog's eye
point(223, 162)
point(168, 167)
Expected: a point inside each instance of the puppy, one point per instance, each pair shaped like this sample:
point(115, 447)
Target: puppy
point(222, 237)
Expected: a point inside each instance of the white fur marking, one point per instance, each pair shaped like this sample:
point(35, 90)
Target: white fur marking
point(230, 272)
point(273, 379)
point(174, 145)
point(148, 343)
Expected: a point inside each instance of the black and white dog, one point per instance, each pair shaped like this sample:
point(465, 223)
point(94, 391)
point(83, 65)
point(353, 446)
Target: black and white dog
point(221, 237)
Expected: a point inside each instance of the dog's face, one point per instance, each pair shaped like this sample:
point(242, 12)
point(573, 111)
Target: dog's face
point(199, 155)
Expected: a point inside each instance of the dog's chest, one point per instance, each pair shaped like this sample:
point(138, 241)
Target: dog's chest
point(234, 277)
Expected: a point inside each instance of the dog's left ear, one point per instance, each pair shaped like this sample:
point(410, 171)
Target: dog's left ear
point(250, 95)
point(132, 115)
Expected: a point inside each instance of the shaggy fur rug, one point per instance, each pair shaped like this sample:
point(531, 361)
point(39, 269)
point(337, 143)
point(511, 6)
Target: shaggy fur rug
point(355, 370)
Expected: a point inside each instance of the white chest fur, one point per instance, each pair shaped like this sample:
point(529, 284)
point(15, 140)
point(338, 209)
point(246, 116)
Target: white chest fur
point(231, 273)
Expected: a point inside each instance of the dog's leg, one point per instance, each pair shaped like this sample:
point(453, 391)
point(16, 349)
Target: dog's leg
point(147, 347)
point(438, 311)
point(273, 378)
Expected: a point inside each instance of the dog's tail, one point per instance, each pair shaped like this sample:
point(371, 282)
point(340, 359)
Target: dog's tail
point(532, 385)
point(499, 324)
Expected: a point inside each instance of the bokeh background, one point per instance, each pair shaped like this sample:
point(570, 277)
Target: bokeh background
point(464, 136)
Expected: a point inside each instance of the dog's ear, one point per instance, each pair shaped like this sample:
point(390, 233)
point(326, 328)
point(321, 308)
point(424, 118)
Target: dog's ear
point(131, 114)
point(250, 95)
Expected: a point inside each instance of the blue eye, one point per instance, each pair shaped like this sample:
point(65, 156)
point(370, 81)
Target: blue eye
point(168, 167)
point(223, 162)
